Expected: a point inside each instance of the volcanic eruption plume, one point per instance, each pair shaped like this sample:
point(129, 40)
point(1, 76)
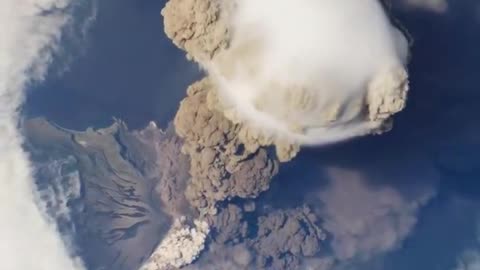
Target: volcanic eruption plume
point(280, 73)
point(310, 71)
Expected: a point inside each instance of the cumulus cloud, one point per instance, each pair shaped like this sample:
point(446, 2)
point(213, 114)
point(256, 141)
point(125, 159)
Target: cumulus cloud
point(310, 71)
point(30, 31)
point(182, 245)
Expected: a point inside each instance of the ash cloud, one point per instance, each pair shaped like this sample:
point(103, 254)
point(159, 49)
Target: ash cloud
point(316, 104)
point(262, 239)
point(222, 166)
point(281, 85)
point(213, 33)
point(31, 31)
point(365, 221)
point(285, 237)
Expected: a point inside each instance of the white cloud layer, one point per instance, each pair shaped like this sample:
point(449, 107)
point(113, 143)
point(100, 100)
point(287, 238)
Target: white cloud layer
point(29, 32)
point(312, 71)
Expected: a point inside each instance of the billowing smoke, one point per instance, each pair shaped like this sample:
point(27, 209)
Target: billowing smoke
point(30, 31)
point(284, 73)
point(311, 71)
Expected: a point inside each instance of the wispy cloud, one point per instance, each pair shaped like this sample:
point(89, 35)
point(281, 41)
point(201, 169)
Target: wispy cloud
point(290, 71)
point(30, 31)
point(364, 220)
point(469, 259)
point(367, 215)
point(439, 6)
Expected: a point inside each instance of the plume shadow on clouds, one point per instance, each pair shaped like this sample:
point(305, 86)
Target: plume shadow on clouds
point(435, 143)
point(130, 70)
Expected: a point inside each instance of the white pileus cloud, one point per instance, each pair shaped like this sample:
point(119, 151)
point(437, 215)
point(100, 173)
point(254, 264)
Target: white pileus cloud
point(312, 71)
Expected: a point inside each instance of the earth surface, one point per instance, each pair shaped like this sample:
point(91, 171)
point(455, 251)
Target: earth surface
point(110, 165)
